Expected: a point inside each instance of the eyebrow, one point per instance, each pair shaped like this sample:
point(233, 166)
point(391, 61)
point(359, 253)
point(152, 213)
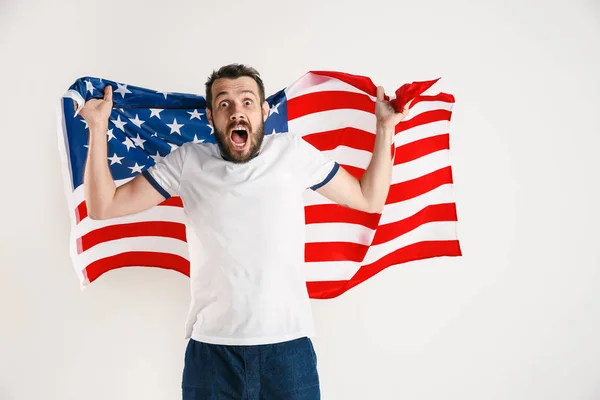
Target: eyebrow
point(243, 91)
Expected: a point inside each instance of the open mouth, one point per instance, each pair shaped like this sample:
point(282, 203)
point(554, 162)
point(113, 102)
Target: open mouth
point(239, 136)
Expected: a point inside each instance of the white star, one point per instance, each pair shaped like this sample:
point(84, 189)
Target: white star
point(85, 122)
point(196, 140)
point(157, 157)
point(274, 132)
point(122, 89)
point(155, 134)
point(139, 141)
point(128, 143)
point(89, 87)
point(136, 168)
point(164, 93)
point(211, 129)
point(155, 112)
point(195, 114)
point(115, 159)
point(173, 146)
point(137, 121)
point(118, 123)
point(110, 135)
point(175, 126)
point(274, 109)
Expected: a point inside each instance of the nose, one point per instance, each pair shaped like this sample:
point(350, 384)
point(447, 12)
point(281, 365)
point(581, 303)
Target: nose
point(236, 113)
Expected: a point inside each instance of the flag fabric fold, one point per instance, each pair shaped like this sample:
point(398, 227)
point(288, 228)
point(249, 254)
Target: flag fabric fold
point(333, 111)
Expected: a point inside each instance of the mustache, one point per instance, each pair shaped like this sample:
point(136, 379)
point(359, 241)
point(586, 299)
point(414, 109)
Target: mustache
point(241, 123)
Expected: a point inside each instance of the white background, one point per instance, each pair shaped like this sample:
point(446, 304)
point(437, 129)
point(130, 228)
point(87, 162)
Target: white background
point(517, 317)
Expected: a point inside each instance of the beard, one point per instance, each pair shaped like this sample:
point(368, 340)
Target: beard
point(227, 150)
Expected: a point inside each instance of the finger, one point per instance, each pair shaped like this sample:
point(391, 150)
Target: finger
point(108, 93)
point(380, 93)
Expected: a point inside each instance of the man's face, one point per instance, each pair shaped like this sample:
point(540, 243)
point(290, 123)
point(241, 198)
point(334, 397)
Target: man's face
point(238, 118)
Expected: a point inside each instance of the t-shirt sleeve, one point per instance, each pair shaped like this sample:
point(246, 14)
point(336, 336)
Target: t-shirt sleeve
point(315, 167)
point(165, 175)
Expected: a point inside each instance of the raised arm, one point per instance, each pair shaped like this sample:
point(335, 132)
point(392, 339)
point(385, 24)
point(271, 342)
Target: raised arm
point(370, 192)
point(103, 199)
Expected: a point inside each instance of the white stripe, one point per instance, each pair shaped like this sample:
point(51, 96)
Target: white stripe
point(313, 198)
point(442, 230)
point(339, 232)
point(159, 213)
point(421, 132)
point(333, 119)
point(146, 243)
point(345, 270)
point(404, 209)
point(75, 96)
point(349, 156)
point(421, 166)
point(63, 150)
point(424, 106)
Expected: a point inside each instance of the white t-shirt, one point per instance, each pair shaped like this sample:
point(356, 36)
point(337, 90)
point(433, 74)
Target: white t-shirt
point(246, 235)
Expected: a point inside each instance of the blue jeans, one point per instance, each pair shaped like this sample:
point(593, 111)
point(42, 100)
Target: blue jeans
point(279, 371)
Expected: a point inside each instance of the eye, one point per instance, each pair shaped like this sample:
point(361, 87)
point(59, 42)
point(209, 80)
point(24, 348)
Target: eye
point(248, 102)
point(223, 104)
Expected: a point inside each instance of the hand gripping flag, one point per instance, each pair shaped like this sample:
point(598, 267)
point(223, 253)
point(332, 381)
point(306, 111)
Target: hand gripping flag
point(334, 112)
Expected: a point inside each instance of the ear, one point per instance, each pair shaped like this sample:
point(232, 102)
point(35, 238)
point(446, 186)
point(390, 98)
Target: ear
point(209, 116)
point(265, 110)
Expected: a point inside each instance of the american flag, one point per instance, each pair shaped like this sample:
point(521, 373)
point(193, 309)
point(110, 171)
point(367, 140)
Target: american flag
point(333, 111)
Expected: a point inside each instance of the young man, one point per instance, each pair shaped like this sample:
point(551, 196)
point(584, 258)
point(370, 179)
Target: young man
point(250, 319)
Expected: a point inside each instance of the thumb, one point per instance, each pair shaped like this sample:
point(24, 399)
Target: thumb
point(108, 93)
point(380, 93)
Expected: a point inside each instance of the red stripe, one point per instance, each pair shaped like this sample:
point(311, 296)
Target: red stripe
point(422, 147)
point(318, 214)
point(350, 137)
point(432, 213)
point(137, 258)
point(326, 101)
point(418, 186)
point(425, 117)
point(81, 211)
point(362, 83)
point(173, 230)
point(366, 85)
point(363, 140)
point(445, 97)
point(334, 251)
point(417, 251)
point(174, 201)
point(333, 213)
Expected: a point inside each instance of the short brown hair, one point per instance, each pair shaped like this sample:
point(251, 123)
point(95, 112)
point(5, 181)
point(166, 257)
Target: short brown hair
point(233, 71)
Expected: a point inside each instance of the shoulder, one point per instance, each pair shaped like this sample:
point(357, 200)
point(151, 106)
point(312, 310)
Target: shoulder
point(284, 139)
point(203, 149)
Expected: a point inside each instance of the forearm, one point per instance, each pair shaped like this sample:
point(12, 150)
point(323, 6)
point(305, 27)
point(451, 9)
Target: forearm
point(375, 182)
point(99, 186)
